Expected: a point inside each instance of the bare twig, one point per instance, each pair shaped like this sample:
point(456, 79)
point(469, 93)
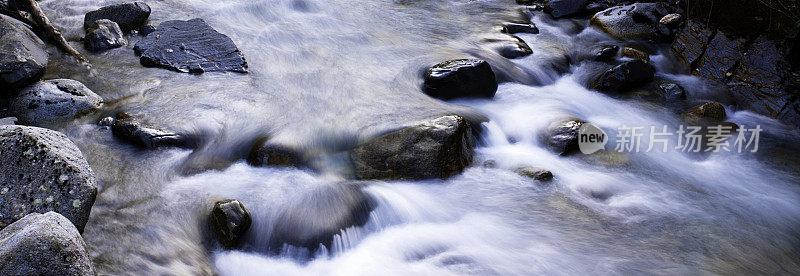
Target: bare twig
point(50, 31)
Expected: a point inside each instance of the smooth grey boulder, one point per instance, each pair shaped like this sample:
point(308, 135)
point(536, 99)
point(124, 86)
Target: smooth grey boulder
point(102, 35)
point(461, 78)
point(314, 218)
point(439, 148)
point(628, 75)
point(41, 170)
point(49, 101)
point(230, 221)
point(190, 46)
point(43, 244)
point(129, 16)
point(22, 55)
point(632, 22)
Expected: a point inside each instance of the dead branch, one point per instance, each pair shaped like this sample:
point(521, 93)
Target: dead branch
point(50, 31)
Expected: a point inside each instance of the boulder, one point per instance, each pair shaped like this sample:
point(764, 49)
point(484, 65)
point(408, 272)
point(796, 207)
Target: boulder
point(625, 76)
point(562, 138)
point(711, 110)
point(471, 78)
point(514, 28)
point(230, 221)
point(42, 170)
point(720, 58)
point(190, 46)
point(606, 53)
point(633, 53)
point(50, 101)
point(564, 8)
point(102, 35)
point(267, 153)
point(129, 16)
point(671, 91)
point(22, 56)
point(672, 20)
point(691, 42)
point(43, 244)
point(439, 148)
point(632, 22)
point(314, 218)
point(130, 129)
point(508, 46)
point(535, 173)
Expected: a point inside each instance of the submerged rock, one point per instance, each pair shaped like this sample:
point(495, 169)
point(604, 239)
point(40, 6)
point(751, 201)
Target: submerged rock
point(514, 28)
point(129, 129)
point(129, 16)
point(43, 244)
point(230, 221)
point(633, 53)
point(508, 46)
point(190, 46)
point(147, 29)
point(535, 173)
point(460, 78)
point(266, 153)
point(439, 148)
point(562, 138)
point(22, 55)
point(564, 8)
point(671, 91)
point(102, 35)
point(631, 22)
point(711, 110)
point(49, 101)
point(314, 218)
point(627, 75)
point(606, 53)
point(42, 170)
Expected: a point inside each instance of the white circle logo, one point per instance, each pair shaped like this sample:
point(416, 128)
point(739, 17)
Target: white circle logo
point(591, 139)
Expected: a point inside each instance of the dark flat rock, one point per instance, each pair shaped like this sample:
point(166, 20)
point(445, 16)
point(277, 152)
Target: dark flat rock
point(461, 78)
point(129, 16)
point(190, 46)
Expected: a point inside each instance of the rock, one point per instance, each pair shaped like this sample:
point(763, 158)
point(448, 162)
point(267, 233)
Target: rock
point(711, 110)
point(632, 22)
point(439, 148)
point(129, 16)
point(508, 46)
point(129, 129)
point(22, 55)
point(606, 53)
point(147, 29)
point(49, 101)
point(190, 46)
point(720, 58)
point(596, 7)
point(314, 218)
point(490, 164)
point(265, 153)
point(563, 137)
point(671, 91)
point(42, 170)
point(690, 43)
point(471, 78)
point(102, 35)
point(633, 53)
point(672, 20)
point(535, 173)
point(231, 222)
point(627, 75)
point(514, 28)
point(43, 244)
point(564, 8)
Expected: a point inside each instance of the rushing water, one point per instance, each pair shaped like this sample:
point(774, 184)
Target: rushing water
point(326, 74)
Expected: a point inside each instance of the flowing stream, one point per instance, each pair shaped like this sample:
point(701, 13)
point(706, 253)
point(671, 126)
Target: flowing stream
point(327, 74)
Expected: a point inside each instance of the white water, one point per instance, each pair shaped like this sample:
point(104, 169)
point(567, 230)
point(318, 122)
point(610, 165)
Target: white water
point(327, 73)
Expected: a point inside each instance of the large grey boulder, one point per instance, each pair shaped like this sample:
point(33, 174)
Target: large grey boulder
point(190, 46)
point(439, 148)
point(129, 16)
point(41, 170)
point(102, 35)
point(314, 218)
point(22, 55)
point(49, 101)
point(43, 244)
point(635, 21)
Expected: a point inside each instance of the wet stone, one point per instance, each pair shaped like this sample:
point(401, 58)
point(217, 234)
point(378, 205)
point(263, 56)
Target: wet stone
point(50, 101)
point(671, 91)
point(230, 220)
point(562, 138)
point(461, 78)
point(129, 16)
point(23, 57)
point(102, 35)
point(623, 77)
point(535, 173)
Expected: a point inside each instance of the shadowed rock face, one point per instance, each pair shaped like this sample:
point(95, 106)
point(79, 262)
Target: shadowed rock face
point(48, 101)
point(439, 148)
point(42, 170)
point(190, 46)
point(22, 55)
point(627, 75)
point(460, 78)
point(129, 16)
point(43, 244)
point(564, 8)
point(315, 217)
